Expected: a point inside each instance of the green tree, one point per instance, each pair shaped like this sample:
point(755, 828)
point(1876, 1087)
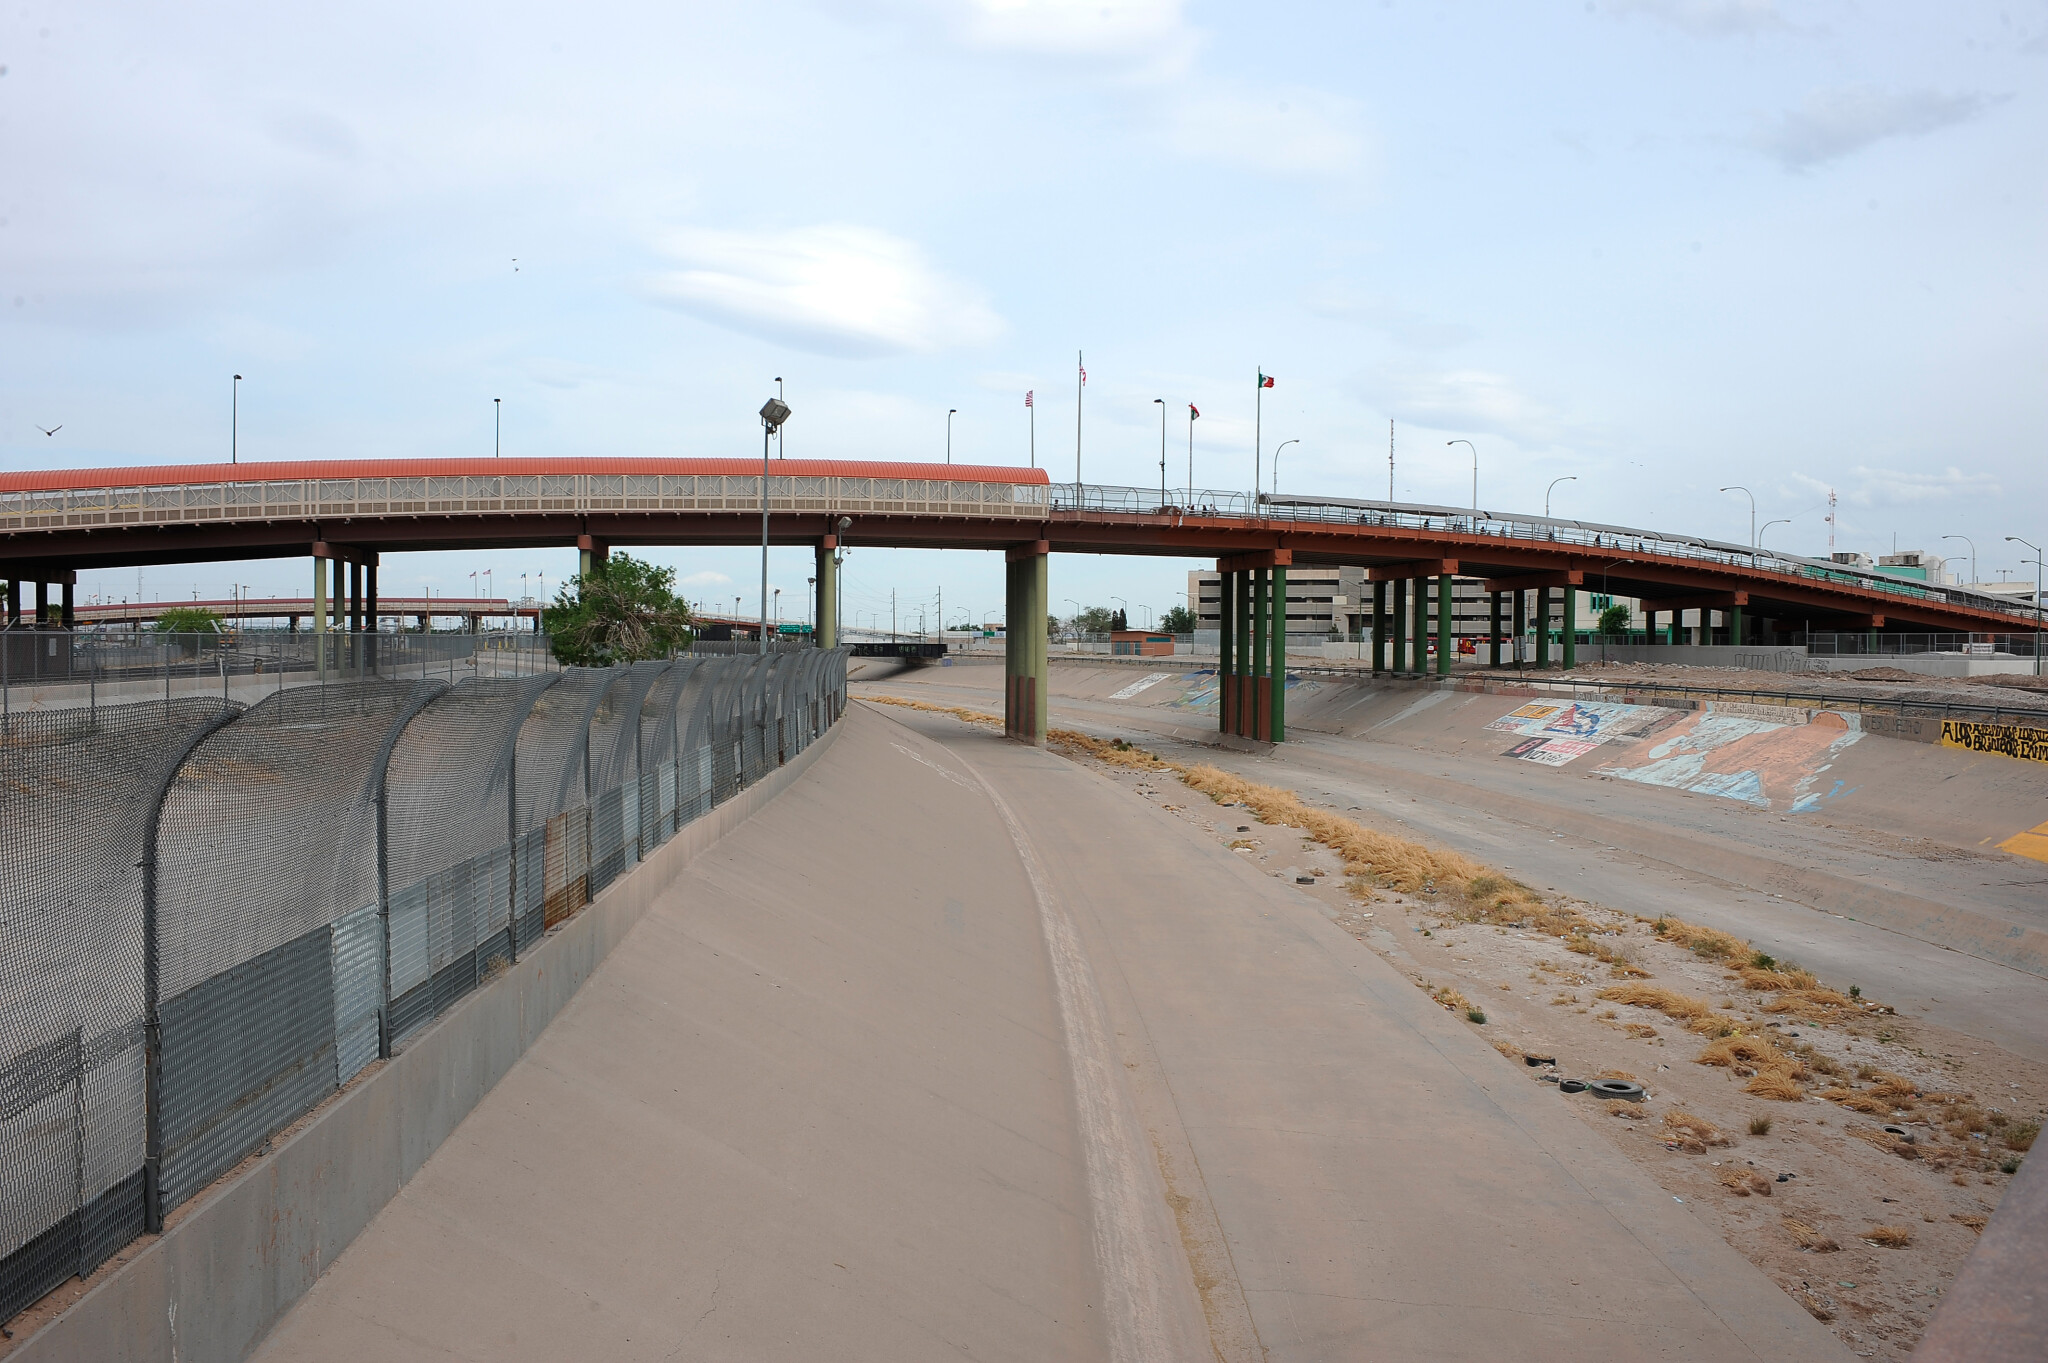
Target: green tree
point(188, 620)
point(1053, 627)
point(1094, 620)
point(1614, 621)
point(624, 611)
point(1179, 620)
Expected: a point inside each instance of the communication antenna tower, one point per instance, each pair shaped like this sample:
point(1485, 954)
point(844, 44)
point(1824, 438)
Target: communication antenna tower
point(1831, 522)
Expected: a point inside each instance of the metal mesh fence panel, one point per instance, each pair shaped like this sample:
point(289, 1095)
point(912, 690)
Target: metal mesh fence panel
point(614, 775)
point(76, 791)
point(210, 918)
point(448, 866)
point(552, 818)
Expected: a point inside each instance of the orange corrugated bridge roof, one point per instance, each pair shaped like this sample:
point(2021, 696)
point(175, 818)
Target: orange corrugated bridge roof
point(164, 475)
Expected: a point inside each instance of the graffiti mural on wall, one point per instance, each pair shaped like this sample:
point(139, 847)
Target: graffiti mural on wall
point(1737, 752)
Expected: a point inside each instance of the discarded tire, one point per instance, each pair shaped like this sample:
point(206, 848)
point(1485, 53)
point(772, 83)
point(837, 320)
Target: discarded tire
point(1571, 1086)
point(1625, 1090)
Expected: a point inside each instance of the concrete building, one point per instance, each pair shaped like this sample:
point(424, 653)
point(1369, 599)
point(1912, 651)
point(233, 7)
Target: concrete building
point(1916, 565)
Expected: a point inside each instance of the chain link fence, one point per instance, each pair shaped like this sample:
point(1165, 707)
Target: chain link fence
point(213, 913)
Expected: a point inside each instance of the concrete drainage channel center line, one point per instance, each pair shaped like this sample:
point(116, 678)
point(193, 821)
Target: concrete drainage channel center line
point(1126, 1260)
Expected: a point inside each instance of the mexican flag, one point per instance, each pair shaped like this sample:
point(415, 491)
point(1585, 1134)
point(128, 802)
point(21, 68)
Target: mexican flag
point(1265, 380)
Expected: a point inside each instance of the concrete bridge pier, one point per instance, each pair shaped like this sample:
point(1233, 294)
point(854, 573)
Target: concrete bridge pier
point(1379, 627)
point(1024, 643)
point(825, 633)
point(1251, 671)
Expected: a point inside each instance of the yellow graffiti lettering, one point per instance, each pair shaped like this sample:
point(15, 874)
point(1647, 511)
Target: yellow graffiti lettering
point(2021, 741)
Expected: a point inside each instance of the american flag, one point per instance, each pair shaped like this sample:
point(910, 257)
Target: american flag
point(1027, 397)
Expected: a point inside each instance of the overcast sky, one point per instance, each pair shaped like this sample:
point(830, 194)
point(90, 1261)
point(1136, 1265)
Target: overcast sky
point(1657, 245)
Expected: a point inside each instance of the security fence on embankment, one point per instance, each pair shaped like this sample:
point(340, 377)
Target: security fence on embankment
point(213, 916)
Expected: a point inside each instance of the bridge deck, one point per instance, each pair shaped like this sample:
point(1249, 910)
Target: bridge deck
point(806, 1116)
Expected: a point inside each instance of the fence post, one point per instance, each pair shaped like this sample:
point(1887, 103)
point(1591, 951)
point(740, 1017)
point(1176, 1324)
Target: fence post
point(152, 1017)
point(380, 771)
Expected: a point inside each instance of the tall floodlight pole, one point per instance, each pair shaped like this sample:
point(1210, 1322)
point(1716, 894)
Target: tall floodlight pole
point(234, 421)
point(1475, 467)
point(1568, 478)
point(1973, 554)
point(773, 413)
point(2015, 539)
point(1752, 519)
point(1162, 451)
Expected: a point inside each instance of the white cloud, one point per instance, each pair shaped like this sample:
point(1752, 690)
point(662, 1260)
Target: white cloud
point(1293, 130)
point(1707, 18)
point(1891, 487)
point(1835, 123)
point(834, 289)
point(1087, 28)
point(1402, 325)
point(1466, 400)
point(707, 578)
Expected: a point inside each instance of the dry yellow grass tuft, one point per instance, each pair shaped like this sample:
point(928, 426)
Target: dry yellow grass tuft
point(1809, 1237)
point(1776, 1085)
point(1743, 1182)
point(1450, 999)
point(1620, 1108)
point(1813, 1005)
point(1891, 1237)
point(971, 716)
point(1745, 1054)
point(1694, 1134)
point(1893, 1086)
point(1672, 1004)
point(1758, 977)
point(1640, 1031)
point(1857, 1102)
point(1711, 943)
point(1971, 1219)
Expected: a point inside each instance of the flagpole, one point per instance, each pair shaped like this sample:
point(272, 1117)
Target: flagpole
point(1080, 382)
point(1258, 440)
point(1032, 408)
point(1191, 454)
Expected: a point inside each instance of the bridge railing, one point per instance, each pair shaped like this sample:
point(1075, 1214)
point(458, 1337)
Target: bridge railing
point(217, 914)
point(533, 494)
point(1592, 537)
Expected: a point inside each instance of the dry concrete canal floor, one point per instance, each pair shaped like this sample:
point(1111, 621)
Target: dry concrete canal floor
point(961, 1049)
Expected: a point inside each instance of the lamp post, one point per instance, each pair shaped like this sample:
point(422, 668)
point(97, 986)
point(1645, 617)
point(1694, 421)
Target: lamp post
point(1767, 530)
point(235, 420)
point(1276, 464)
point(950, 412)
point(1475, 467)
point(1568, 478)
point(497, 427)
point(1162, 451)
point(781, 449)
point(773, 413)
point(778, 612)
point(1126, 612)
point(2036, 561)
point(1077, 614)
point(1752, 519)
point(1973, 553)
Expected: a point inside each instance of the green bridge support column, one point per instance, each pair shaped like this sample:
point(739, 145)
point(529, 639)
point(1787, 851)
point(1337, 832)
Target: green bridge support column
point(1444, 596)
point(1493, 634)
point(1543, 627)
point(825, 634)
point(1649, 627)
point(1246, 642)
point(1226, 649)
point(1256, 699)
point(1277, 706)
point(1379, 627)
point(1735, 625)
point(1024, 644)
point(1521, 617)
point(1571, 628)
point(1418, 626)
point(1397, 627)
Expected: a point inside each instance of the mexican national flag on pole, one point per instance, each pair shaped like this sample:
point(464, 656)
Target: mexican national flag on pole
point(1265, 379)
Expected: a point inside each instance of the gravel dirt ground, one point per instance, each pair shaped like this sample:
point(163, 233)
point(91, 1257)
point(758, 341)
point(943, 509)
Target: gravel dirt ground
point(1862, 1226)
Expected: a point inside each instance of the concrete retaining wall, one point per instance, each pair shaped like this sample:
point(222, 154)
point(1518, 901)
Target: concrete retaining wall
point(1758, 658)
point(234, 1260)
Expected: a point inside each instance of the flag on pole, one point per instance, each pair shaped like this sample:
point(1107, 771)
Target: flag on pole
point(1193, 411)
point(1265, 379)
point(1027, 397)
point(1084, 373)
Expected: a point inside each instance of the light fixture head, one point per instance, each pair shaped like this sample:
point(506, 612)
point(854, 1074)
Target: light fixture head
point(774, 412)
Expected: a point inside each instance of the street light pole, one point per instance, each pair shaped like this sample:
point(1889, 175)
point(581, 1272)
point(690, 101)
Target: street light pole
point(1162, 451)
point(497, 427)
point(1475, 467)
point(1973, 554)
point(1568, 478)
point(1752, 519)
point(1276, 464)
point(1767, 530)
point(2015, 539)
point(950, 411)
point(235, 420)
point(773, 413)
